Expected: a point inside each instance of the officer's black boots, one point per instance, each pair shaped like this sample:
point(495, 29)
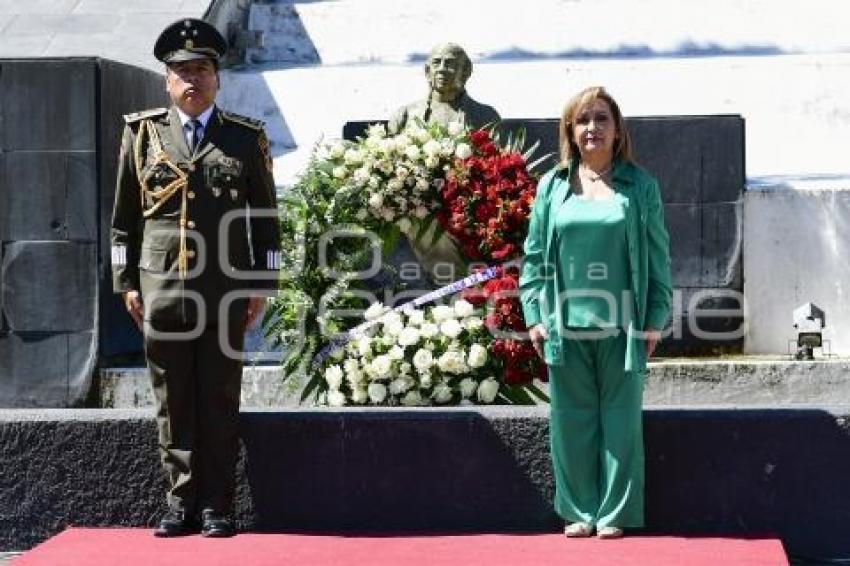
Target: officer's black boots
point(176, 523)
point(216, 525)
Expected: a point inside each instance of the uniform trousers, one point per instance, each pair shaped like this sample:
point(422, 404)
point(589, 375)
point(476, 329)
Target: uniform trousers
point(596, 433)
point(197, 389)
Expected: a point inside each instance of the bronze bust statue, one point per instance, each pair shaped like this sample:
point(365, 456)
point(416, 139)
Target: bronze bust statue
point(448, 68)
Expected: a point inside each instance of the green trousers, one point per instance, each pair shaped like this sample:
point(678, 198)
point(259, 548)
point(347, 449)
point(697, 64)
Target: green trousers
point(596, 434)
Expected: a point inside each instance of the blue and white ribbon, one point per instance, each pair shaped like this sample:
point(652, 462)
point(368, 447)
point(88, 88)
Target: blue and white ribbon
point(341, 340)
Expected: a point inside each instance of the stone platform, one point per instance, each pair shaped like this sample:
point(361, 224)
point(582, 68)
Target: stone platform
point(710, 470)
point(752, 380)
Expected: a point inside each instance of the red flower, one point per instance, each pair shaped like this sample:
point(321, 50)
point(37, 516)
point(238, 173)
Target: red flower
point(516, 376)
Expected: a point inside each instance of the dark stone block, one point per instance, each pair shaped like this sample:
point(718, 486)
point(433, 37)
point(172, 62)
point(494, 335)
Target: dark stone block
point(686, 261)
point(43, 369)
point(49, 286)
point(123, 89)
point(385, 475)
point(50, 196)
point(48, 104)
point(34, 366)
point(99, 472)
point(705, 244)
point(697, 159)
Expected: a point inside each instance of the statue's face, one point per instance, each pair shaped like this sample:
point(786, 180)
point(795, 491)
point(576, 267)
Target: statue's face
point(445, 72)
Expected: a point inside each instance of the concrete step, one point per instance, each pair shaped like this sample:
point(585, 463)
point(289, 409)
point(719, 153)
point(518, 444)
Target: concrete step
point(748, 381)
point(709, 470)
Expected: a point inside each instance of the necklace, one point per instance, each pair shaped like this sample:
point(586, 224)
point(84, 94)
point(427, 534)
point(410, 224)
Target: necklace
point(592, 175)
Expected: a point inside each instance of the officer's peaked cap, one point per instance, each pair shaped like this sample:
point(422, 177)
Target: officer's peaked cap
point(188, 39)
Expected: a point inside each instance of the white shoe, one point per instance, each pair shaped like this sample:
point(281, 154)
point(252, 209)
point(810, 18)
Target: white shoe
point(578, 530)
point(609, 532)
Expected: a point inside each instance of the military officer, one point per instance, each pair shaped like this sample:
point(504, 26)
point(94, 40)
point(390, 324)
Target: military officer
point(192, 270)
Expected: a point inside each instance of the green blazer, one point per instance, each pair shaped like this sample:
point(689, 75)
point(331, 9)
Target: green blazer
point(649, 258)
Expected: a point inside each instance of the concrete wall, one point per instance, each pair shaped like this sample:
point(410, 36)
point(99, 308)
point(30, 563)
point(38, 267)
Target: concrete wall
point(709, 471)
point(60, 125)
point(796, 245)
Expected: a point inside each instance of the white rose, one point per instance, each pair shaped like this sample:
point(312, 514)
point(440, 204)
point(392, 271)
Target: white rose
point(442, 393)
point(364, 346)
point(473, 323)
point(412, 152)
point(387, 340)
point(408, 337)
point(387, 214)
point(339, 172)
point(378, 131)
point(353, 156)
point(396, 353)
point(376, 200)
point(354, 377)
point(412, 399)
point(333, 376)
point(426, 380)
point(431, 148)
point(487, 390)
point(380, 367)
point(374, 311)
point(468, 386)
point(399, 386)
point(423, 360)
point(429, 330)
point(422, 185)
point(336, 398)
point(377, 393)
point(405, 368)
point(442, 312)
point(351, 365)
point(361, 214)
point(462, 151)
point(451, 328)
point(455, 128)
point(337, 150)
point(477, 356)
point(420, 212)
point(452, 362)
point(431, 162)
point(359, 395)
point(415, 317)
point(374, 182)
point(338, 354)
point(447, 148)
point(393, 327)
point(464, 308)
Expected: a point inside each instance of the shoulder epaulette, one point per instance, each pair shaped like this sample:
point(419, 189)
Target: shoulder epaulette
point(136, 116)
point(252, 123)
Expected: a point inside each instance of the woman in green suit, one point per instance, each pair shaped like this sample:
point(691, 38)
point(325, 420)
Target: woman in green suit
point(595, 289)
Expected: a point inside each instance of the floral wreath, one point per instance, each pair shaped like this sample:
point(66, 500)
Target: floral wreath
point(351, 203)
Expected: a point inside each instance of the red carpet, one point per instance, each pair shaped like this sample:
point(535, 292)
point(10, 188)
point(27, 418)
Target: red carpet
point(138, 547)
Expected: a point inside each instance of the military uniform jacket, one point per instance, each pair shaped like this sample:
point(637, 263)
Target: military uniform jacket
point(179, 229)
